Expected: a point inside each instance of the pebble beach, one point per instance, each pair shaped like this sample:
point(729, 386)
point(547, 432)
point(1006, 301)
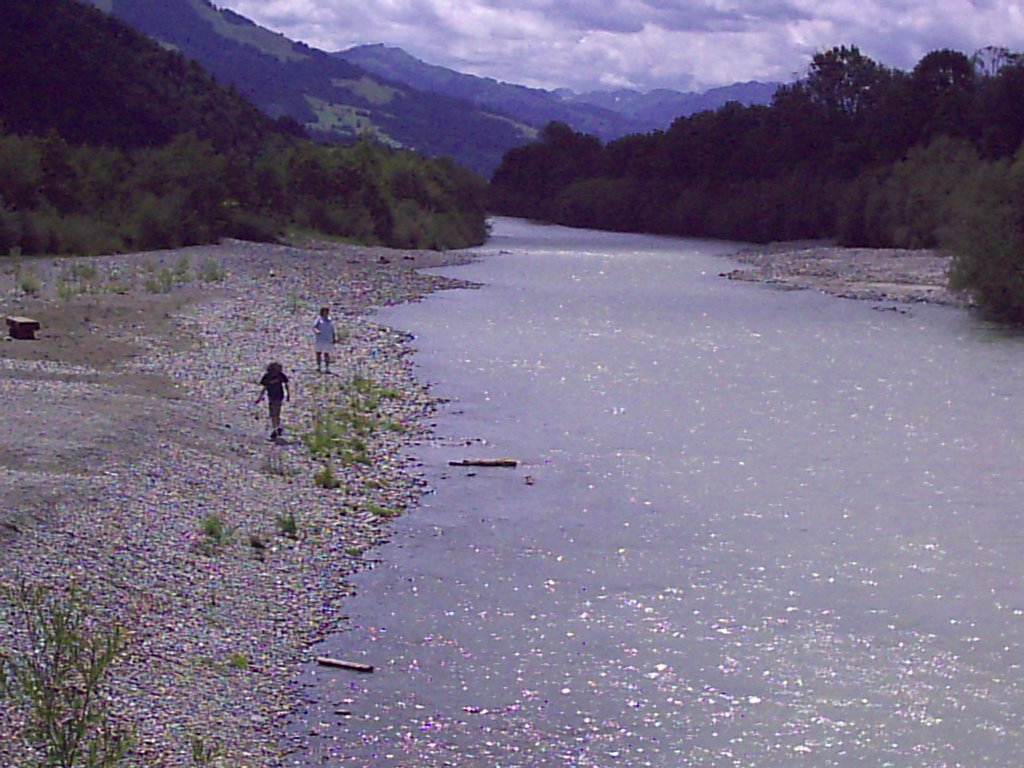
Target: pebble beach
point(136, 466)
point(900, 275)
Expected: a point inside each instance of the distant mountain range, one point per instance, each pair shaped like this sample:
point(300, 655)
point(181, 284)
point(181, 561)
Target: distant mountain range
point(655, 110)
point(605, 114)
point(397, 98)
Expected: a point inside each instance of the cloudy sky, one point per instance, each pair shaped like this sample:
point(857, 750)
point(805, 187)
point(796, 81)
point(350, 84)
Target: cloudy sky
point(643, 44)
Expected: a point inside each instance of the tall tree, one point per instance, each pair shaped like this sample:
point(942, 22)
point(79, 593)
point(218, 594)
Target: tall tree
point(943, 86)
point(1000, 111)
point(845, 83)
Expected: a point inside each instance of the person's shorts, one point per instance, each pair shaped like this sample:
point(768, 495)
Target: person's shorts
point(324, 346)
point(275, 408)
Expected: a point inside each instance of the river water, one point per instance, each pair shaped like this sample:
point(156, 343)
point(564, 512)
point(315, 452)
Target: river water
point(748, 528)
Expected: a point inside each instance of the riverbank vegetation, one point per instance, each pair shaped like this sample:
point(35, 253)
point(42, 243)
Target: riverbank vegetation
point(855, 151)
point(110, 143)
point(61, 199)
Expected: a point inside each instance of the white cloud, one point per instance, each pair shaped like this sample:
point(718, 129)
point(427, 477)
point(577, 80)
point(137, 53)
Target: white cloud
point(643, 43)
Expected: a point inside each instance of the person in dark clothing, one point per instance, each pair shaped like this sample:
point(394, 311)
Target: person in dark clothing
point(275, 389)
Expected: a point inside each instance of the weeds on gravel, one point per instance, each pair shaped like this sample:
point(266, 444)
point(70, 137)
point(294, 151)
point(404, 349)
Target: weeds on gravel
point(160, 281)
point(58, 670)
point(380, 511)
point(210, 271)
point(163, 279)
point(325, 478)
point(83, 270)
point(204, 753)
point(356, 452)
point(339, 432)
point(181, 269)
point(326, 434)
point(238, 660)
point(288, 524)
point(66, 290)
point(215, 530)
point(77, 277)
point(29, 283)
point(373, 393)
point(344, 431)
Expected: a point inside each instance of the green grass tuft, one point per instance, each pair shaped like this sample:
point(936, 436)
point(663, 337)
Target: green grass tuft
point(215, 530)
point(325, 478)
point(288, 525)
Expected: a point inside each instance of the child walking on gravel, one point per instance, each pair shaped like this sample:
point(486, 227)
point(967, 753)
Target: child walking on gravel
point(324, 338)
point(275, 388)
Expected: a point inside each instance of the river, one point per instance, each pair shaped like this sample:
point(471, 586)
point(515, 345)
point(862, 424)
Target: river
point(748, 528)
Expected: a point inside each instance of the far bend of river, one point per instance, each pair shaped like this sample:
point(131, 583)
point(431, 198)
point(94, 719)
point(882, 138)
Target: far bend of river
point(750, 527)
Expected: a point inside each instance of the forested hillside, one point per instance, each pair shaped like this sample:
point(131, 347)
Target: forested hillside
point(88, 78)
point(108, 142)
point(333, 99)
point(530, 106)
point(854, 151)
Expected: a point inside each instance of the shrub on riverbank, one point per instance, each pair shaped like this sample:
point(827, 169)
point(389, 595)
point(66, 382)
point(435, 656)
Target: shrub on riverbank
point(909, 204)
point(946, 196)
point(59, 673)
point(988, 239)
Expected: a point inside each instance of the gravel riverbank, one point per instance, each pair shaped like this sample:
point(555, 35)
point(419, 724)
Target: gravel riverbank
point(874, 274)
point(131, 425)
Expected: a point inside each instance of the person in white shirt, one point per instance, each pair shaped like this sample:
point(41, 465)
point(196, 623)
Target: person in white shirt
point(324, 339)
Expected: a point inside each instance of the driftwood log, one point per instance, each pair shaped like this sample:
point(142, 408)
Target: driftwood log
point(327, 661)
point(484, 463)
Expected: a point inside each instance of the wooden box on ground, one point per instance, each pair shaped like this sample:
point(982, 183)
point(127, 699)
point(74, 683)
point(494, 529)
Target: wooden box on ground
point(22, 327)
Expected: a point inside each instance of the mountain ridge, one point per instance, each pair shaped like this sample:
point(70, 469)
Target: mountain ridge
point(659, 107)
point(534, 106)
point(605, 114)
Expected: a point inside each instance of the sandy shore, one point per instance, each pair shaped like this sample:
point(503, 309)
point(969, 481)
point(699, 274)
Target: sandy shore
point(874, 274)
point(130, 423)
